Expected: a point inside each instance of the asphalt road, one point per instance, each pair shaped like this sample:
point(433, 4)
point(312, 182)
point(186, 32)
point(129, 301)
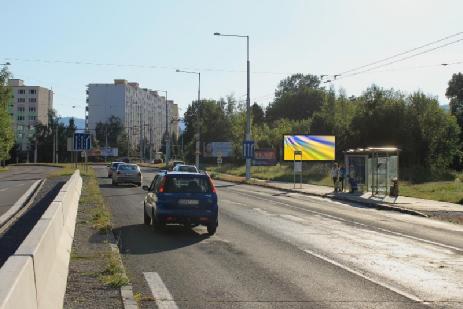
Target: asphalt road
point(280, 250)
point(15, 182)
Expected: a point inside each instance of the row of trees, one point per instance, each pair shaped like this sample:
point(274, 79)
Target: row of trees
point(430, 138)
point(6, 130)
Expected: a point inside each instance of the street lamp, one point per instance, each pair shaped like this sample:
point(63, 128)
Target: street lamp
point(167, 131)
point(248, 103)
point(198, 116)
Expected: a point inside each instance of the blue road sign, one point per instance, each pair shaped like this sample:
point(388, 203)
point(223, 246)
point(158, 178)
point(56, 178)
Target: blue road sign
point(248, 149)
point(82, 141)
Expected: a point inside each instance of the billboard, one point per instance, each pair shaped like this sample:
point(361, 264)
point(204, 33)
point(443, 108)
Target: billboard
point(218, 149)
point(313, 147)
point(264, 157)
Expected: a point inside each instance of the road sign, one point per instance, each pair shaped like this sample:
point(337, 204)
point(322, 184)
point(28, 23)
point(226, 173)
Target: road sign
point(82, 141)
point(248, 149)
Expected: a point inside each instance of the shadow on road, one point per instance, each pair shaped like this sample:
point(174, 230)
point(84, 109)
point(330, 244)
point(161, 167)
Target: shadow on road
point(224, 186)
point(108, 185)
point(143, 239)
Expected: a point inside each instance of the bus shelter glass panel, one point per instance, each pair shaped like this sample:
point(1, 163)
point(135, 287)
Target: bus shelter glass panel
point(356, 169)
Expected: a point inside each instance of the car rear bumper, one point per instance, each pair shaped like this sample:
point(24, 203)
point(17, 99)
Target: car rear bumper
point(197, 216)
point(127, 179)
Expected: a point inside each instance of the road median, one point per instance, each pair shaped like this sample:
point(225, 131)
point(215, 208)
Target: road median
point(37, 271)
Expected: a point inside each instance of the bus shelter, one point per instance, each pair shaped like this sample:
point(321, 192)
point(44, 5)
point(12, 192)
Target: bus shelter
point(374, 169)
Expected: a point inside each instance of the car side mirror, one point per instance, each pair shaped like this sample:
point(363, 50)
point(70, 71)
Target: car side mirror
point(145, 188)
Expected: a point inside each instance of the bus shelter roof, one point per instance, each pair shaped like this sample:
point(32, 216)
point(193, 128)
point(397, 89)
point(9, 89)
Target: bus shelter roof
point(371, 150)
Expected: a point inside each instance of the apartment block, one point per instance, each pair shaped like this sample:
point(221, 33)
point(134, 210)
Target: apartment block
point(141, 110)
point(29, 105)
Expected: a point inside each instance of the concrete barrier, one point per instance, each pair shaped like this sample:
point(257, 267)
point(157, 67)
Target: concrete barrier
point(17, 285)
point(48, 247)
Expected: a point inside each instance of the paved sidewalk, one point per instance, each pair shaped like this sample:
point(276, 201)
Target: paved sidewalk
point(420, 206)
point(404, 204)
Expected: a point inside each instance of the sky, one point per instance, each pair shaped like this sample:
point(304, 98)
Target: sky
point(286, 37)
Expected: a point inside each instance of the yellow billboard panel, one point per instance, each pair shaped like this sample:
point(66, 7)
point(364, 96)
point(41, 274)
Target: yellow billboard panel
point(313, 147)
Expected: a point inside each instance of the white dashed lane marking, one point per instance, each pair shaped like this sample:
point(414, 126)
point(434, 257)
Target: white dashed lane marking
point(161, 294)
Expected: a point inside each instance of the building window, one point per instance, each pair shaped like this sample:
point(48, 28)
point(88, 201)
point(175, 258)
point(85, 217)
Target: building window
point(32, 91)
point(32, 117)
point(21, 100)
point(21, 109)
point(20, 118)
point(32, 100)
point(32, 109)
point(21, 91)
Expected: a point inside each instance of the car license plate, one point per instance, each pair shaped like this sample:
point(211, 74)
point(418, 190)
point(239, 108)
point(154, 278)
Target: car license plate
point(188, 202)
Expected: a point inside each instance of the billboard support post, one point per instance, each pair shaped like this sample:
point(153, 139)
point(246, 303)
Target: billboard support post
point(297, 168)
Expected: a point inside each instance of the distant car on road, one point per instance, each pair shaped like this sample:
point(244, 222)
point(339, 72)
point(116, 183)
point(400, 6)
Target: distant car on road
point(177, 162)
point(127, 173)
point(113, 167)
point(181, 198)
point(185, 168)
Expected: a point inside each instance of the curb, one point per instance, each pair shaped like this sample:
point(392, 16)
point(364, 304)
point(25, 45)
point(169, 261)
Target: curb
point(21, 202)
point(128, 300)
point(379, 206)
point(36, 164)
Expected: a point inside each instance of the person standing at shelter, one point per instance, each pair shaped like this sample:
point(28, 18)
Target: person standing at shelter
point(335, 176)
point(342, 175)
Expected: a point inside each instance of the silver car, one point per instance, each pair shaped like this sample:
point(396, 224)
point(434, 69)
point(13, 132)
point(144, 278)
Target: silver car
point(113, 167)
point(127, 173)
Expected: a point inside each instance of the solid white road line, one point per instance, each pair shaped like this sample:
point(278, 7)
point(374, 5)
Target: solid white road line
point(442, 245)
point(385, 285)
point(161, 294)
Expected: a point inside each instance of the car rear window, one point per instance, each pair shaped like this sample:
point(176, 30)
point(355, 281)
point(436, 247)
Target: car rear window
point(187, 184)
point(190, 169)
point(125, 167)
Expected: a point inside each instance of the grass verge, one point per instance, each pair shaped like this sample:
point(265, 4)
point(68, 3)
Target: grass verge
point(114, 273)
point(318, 174)
point(67, 169)
point(3, 169)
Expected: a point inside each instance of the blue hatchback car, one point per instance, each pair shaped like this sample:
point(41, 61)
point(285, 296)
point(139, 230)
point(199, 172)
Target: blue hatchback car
point(181, 198)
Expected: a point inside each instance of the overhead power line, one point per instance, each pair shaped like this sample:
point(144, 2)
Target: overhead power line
point(399, 60)
point(139, 66)
point(402, 53)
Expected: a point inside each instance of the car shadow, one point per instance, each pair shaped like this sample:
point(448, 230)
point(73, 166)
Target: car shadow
point(224, 186)
point(108, 185)
point(143, 239)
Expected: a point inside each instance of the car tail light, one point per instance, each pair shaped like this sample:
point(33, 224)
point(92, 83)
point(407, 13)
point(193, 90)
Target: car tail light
point(161, 185)
point(213, 190)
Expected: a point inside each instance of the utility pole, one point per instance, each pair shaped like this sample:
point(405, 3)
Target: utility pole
point(248, 99)
point(167, 133)
point(54, 145)
point(198, 133)
point(35, 150)
point(106, 140)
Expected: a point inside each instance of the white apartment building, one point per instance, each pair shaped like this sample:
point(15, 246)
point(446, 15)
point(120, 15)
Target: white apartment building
point(141, 110)
point(28, 106)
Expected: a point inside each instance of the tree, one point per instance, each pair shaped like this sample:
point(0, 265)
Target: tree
point(6, 130)
point(112, 134)
point(257, 114)
point(214, 124)
point(296, 82)
point(297, 97)
point(455, 93)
